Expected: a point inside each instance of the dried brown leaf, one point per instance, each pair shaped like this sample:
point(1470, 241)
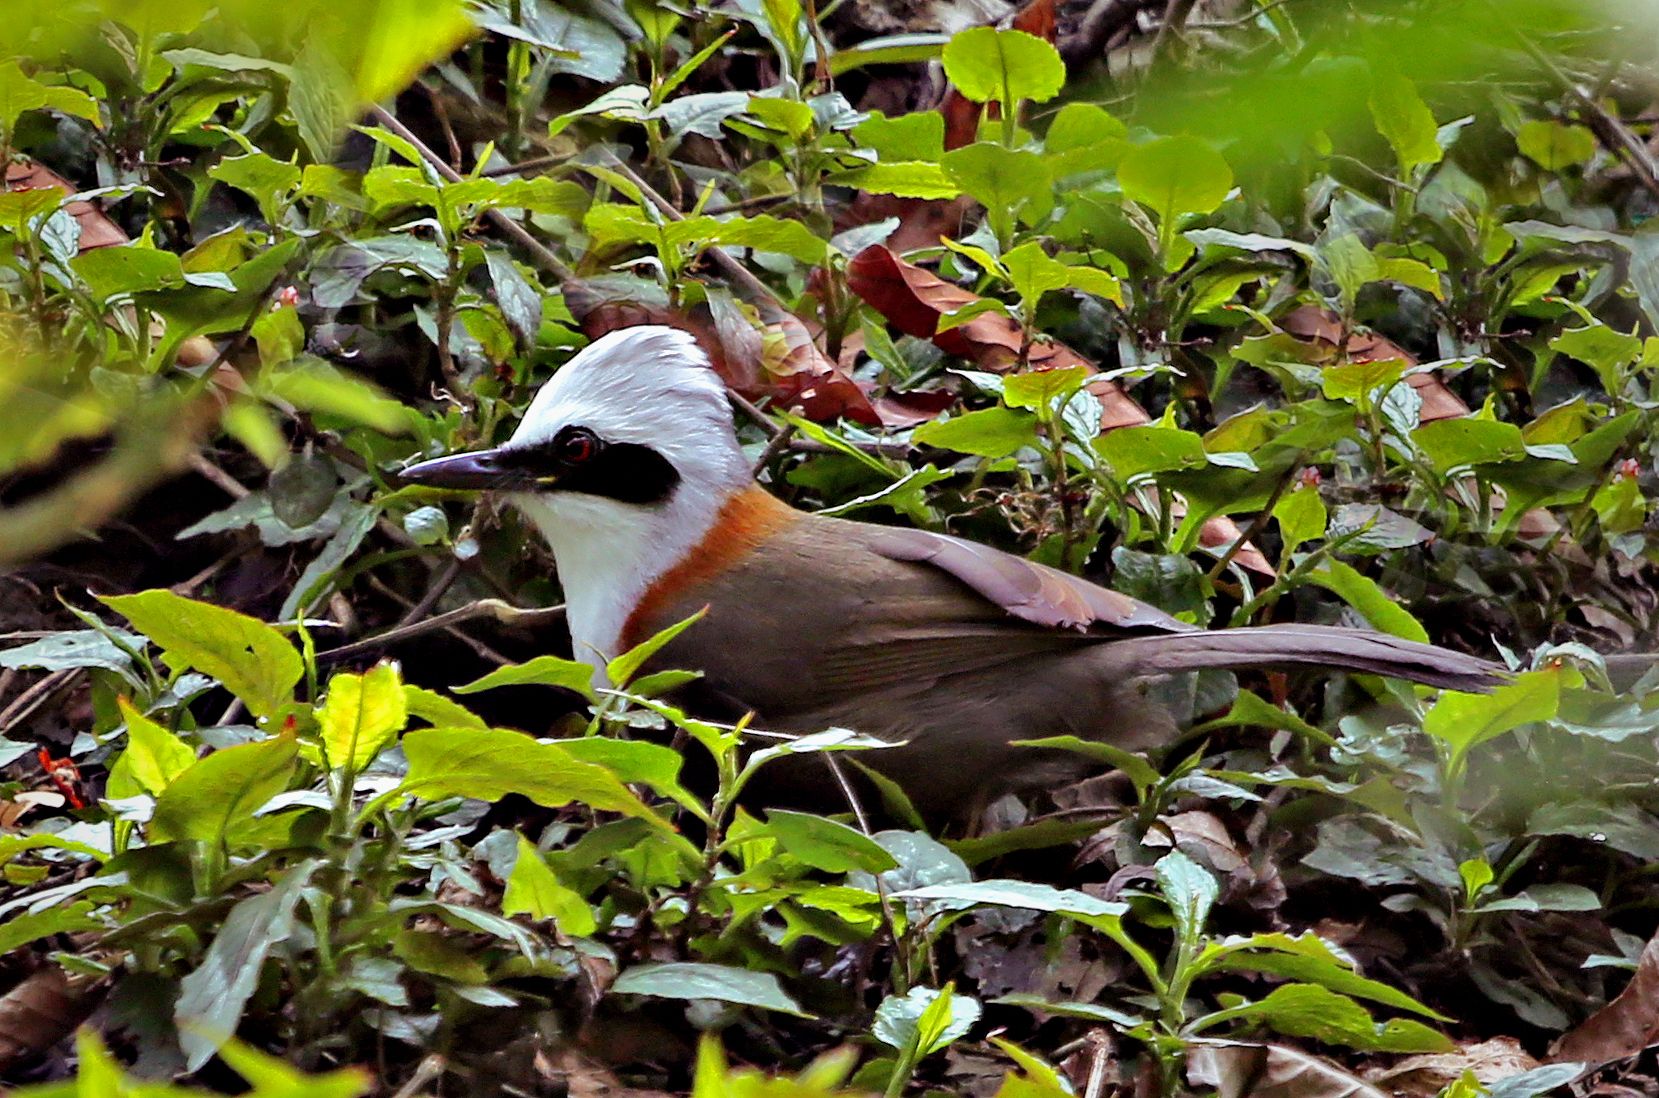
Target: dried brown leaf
point(1238, 1069)
point(1625, 1026)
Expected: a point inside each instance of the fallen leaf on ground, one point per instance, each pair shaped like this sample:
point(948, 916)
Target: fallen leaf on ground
point(1625, 1026)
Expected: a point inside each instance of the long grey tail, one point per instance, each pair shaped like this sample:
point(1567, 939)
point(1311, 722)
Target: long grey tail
point(1327, 646)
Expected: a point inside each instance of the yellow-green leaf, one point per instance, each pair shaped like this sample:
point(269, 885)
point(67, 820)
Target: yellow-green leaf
point(153, 758)
point(252, 660)
point(361, 715)
point(208, 800)
point(533, 890)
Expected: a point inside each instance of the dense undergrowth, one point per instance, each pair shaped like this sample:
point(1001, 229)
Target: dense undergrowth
point(1258, 312)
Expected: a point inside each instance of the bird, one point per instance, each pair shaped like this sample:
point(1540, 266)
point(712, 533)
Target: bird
point(628, 463)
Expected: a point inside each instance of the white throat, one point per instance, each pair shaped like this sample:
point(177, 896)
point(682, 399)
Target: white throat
point(649, 386)
point(609, 554)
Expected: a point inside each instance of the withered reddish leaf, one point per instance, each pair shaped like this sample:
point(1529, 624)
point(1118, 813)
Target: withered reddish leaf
point(914, 299)
point(910, 409)
point(97, 230)
point(769, 355)
point(1311, 322)
point(1624, 1027)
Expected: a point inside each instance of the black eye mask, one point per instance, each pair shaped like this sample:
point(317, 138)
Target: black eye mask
point(577, 460)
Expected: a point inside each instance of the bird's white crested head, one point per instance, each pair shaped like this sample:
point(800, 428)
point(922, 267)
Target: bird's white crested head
point(648, 386)
point(636, 433)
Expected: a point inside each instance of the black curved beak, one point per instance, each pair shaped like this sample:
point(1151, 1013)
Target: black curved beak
point(476, 470)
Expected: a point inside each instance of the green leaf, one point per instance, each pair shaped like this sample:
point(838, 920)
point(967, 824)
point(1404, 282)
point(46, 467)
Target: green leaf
point(1190, 890)
point(1012, 183)
point(1547, 897)
point(1033, 274)
point(437, 710)
point(1555, 146)
point(1307, 1010)
point(1352, 266)
point(1134, 451)
point(1607, 350)
point(1404, 119)
point(209, 800)
point(770, 234)
point(153, 758)
point(270, 181)
point(539, 671)
point(74, 648)
point(925, 1018)
point(723, 983)
point(1084, 137)
point(621, 670)
point(362, 715)
point(990, 432)
point(984, 63)
point(1175, 176)
point(252, 660)
point(825, 844)
point(72, 918)
point(636, 762)
point(1142, 774)
point(1462, 721)
point(1307, 958)
point(1464, 441)
point(212, 997)
point(919, 135)
point(1021, 895)
point(316, 386)
point(19, 93)
point(533, 890)
point(127, 269)
point(1302, 517)
point(1043, 389)
point(894, 49)
point(488, 764)
point(905, 178)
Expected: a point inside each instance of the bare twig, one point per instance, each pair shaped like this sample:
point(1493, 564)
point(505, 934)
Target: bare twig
point(35, 696)
point(441, 583)
point(1100, 24)
point(779, 443)
point(204, 468)
point(1169, 31)
point(1608, 130)
point(493, 609)
point(749, 408)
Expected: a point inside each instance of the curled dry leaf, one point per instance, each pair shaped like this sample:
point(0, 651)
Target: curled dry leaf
point(763, 352)
point(1427, 1075)
point(1320, 325)
point(1624, 1027)
point(1236, 1069)
point(42, 1010)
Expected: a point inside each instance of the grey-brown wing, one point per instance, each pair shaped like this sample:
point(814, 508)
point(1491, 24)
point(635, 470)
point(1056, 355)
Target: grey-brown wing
point(1032, 592)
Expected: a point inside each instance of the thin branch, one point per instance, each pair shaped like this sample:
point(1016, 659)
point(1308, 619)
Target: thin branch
point(747, 407)
point(1608, 130)
point(34, 697)
point(1169, 33)
point(779, 443)
point(493, 609)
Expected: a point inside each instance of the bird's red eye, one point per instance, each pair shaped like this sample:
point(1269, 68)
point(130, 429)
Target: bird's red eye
point(577, 446)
